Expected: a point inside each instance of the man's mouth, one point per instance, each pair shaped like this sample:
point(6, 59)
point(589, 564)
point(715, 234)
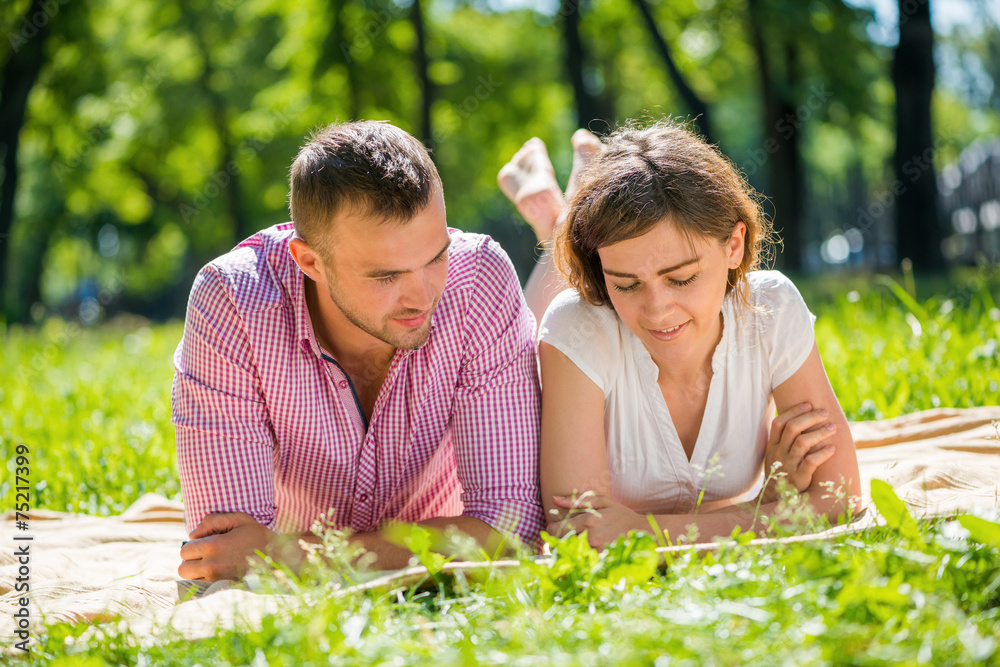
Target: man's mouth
point(412, 322)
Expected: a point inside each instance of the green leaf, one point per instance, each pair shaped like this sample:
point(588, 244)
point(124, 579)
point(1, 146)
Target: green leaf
point(904, 297)
point(981, 530)
point(420, 541)
point(894, 510)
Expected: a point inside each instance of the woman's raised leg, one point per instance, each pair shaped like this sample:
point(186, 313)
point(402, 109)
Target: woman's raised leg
point(529, 181)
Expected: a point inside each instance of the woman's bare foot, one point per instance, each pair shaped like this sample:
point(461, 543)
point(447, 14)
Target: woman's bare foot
point(586, 147)
point(529, 181)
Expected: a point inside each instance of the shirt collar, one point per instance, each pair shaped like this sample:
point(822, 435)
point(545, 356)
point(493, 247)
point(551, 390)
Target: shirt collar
point(294, 282)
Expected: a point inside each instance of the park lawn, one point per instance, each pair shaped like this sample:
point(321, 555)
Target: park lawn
point(93, 408)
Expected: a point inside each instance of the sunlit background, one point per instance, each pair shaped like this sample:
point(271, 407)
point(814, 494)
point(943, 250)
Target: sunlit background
point(141, 139)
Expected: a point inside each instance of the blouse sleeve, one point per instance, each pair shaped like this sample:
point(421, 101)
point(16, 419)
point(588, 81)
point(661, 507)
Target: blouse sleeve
point(585, 333)
point(787, 324)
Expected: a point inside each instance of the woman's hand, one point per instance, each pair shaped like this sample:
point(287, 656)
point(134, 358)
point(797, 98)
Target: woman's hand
point(797, 446)
point(602, 517)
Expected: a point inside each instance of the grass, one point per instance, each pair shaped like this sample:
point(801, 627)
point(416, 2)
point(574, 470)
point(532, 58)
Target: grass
point(887, 354)
point(886, 596)
point(93, 406)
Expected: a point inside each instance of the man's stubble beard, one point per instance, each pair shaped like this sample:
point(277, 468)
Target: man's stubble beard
point(383, 334)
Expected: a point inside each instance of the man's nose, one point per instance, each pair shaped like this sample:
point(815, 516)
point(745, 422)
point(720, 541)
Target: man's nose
point(420, 292)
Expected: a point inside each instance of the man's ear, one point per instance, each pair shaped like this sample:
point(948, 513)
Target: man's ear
point(308, 259)
point(736, 245)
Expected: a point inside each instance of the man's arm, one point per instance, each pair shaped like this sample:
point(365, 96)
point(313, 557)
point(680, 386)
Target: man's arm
point(496, 410)
point(225, 446)
point(224, 544)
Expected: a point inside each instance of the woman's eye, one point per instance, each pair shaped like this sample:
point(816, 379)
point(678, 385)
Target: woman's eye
point(627, 288)
point(682, 283)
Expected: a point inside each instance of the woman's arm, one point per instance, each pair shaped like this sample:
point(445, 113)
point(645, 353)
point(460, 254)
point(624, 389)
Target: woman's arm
point(574, 456)
point(809, 384)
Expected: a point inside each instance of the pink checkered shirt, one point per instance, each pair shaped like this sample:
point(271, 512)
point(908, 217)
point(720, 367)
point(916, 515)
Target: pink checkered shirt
point(268, 423)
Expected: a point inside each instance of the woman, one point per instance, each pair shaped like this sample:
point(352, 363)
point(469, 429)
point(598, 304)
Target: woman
point(663, 365)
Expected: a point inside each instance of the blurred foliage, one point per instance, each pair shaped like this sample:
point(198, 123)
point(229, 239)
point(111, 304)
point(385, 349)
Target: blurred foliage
point(159, 134)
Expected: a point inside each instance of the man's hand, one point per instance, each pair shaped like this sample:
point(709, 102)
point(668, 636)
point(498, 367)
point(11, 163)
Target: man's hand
point(602, 517)
point(797, 443)
point(223, 545)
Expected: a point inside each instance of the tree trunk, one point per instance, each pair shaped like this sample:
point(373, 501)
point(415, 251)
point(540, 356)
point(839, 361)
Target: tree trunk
point(695, 105)
point(338, 40)
point(781, 149)
point(20, 73)
point(918, 228)
point(588, 107)
point(33, 258)
point(423, 64)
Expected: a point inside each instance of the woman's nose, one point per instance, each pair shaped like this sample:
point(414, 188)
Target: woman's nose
point(659, 303)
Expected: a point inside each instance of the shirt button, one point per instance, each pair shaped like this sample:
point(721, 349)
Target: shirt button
point(363, 498)
point(342, 384)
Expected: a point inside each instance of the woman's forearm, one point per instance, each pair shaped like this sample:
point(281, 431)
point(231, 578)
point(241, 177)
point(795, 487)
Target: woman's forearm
point(709, 525)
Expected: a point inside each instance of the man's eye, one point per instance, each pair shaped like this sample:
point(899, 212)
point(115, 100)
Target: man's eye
point(627, 288)
point(388, 280)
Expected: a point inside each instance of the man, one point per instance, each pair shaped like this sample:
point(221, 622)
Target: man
point(363, 362)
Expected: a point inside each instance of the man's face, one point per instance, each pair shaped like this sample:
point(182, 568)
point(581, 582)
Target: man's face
point(387, 278)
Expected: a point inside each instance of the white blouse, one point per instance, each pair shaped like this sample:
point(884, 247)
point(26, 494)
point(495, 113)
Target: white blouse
point(759, 350)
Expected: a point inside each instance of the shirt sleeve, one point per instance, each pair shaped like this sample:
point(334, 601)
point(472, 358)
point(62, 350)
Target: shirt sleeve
point(497, 407)
point(787, 327)
point(586, 334)
point(225, 443)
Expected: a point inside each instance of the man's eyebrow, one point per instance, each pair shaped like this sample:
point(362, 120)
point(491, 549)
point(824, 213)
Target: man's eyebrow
point(661, 272)
point(386, 273)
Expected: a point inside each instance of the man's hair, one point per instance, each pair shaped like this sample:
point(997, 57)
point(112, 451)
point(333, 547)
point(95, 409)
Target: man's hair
point(368, 167)
point(645, 176)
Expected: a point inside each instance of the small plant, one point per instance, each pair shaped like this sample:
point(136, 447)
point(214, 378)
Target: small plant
point(581, 574)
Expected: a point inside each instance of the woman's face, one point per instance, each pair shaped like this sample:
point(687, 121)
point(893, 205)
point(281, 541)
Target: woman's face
point(668, 290)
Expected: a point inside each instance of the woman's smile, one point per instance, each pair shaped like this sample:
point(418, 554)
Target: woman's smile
point(670, 333)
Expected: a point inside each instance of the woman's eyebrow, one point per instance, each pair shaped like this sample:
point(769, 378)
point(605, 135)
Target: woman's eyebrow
point(669, 269)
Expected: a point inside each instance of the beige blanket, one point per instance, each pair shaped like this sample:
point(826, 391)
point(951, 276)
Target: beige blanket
point(85, 568)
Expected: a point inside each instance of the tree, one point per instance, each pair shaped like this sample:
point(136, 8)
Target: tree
point(697, 106)
point(918, 229)
point(785, 176)
point(422, 62)
point(20, 72)
point(589, 107)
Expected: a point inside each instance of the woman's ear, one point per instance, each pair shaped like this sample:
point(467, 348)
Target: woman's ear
point(736, 245)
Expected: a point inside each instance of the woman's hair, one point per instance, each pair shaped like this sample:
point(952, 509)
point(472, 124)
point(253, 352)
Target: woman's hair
point(645, 176)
